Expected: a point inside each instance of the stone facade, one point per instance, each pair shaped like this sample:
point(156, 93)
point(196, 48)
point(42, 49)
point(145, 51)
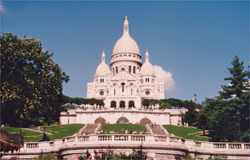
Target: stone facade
point(127, 79)
point(122, 85)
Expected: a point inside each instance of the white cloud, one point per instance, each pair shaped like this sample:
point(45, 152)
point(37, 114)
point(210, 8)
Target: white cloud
point(166, 76)
point(1, 8)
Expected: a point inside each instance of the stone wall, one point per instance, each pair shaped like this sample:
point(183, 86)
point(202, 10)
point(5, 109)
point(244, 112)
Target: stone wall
point(112, 116)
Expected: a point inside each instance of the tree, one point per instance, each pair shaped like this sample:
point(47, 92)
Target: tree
point(192, 115)
point(238, 82)
point(228, 114)
point(203, 122)
point(80, 100)
point(31, 82)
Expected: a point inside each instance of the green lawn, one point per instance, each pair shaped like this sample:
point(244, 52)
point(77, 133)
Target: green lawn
point(121, 128)
point(187, 133)
point(28, 135)
point(60, 131)
point(54, 132)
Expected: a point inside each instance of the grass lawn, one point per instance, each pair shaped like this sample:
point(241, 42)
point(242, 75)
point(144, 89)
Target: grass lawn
point(28, 134)
point(187, 133)
point(54, 132)
point(60, 131)
point(121, 128)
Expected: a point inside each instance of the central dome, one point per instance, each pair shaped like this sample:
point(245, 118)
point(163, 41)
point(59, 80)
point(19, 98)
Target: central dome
point(126, 44)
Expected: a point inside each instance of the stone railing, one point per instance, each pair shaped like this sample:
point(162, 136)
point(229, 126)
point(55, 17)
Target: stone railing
point(84, 110)
point(134, 140)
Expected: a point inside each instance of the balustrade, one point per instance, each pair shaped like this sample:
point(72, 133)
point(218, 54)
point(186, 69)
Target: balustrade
point(57, 144)
point(220, 145)
point(246, 146)
point(120, 138)
point(83, 138)
point(234, 146)
point(105, 138)
point(137, 138)
point(32, 145)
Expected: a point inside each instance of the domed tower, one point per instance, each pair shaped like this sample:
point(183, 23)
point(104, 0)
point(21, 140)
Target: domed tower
point(98, 88)
point(147, 78)
point(102, 69)
point(126, 53)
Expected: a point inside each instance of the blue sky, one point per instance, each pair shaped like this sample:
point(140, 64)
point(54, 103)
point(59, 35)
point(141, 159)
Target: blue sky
point(195, 41)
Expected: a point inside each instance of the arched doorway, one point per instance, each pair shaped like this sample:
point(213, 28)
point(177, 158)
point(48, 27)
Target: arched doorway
point(113, 104)
point(131, 104)
point(100, 120)
point(122, 104)
point(122, 120)
point(145, 121)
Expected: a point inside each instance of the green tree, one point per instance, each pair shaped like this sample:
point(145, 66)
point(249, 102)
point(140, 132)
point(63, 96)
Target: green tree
point(228, 114)
point(202, 122)
point(192, 115)
point(31, 82)
point(238, 82)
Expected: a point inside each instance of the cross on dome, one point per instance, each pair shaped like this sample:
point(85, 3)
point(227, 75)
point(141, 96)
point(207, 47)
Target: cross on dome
point(146, 56)
point(103, 56)
point(126, 26)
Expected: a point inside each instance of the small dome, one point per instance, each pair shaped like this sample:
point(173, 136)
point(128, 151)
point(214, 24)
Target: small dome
point(102, 69)
point(147, 68)
point(126, 44)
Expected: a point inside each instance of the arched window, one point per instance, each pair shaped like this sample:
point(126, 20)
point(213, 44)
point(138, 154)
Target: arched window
point(114, 91)
point(113, 104)
point(131, 104)
point(131, 91)
point(122, 104)
point(101, 93)
point(116, 69)
point(134, 68)
point(123, 86)
point(147, 92)
point(101, 80)
point(129, 69)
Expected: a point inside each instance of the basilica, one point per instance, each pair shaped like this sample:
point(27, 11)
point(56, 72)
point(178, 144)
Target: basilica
point(122, 85)
point(129, 79)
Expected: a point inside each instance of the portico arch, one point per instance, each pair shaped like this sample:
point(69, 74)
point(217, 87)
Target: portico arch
point(145, 121)
point(131, 104)
point(113, 104)
point(122, 104)
point(100, 120)
point(122, 120)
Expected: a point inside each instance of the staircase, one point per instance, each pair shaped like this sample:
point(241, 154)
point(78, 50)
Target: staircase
point(156, 129)
point(89, 129)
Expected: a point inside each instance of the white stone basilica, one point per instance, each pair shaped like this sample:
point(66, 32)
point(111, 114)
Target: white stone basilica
point(128, 80)
point(122, 86)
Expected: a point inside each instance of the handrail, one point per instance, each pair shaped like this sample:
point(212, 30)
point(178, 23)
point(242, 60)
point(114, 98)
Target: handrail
point(136, 138)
